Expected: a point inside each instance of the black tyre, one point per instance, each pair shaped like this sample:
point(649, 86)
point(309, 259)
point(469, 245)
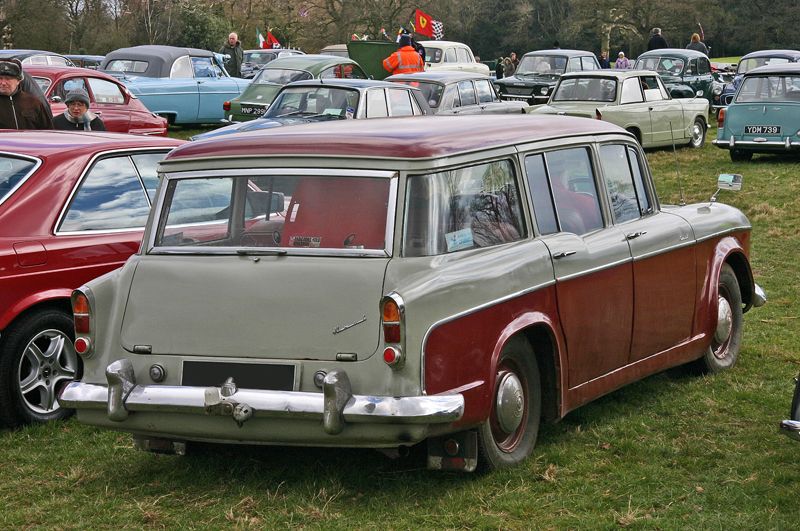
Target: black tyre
point(698, 134)
point(37, 359)
point(738, 155)
point(508, 436)
point(727, 339)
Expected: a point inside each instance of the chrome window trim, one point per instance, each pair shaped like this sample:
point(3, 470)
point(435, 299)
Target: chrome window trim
point(464, 313)
point(37, 163)
point(76, 186)
point(334, 172)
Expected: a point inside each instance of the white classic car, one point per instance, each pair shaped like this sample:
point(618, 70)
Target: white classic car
point(635, 100)
point(449, 55)
point(336, 284)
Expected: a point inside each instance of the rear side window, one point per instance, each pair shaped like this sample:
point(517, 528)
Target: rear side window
point(376, 104)
point(623, 177)
point(485, 92)
point(463, 55)
point(467, 93)
point(400, 102)
point(631, 91)
point(13, 172)
point(465, 208)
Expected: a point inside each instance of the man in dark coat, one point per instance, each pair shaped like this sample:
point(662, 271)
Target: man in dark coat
point(20, 109)
point(657, 41)
point(233, 49)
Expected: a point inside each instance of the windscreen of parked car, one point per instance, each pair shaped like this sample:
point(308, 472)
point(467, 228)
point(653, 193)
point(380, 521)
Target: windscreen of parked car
point(586, 89)
point(431, 91)
point(259, 58)
point(769, 89)
point(542, 64)
point(322, 101)
point(465, 208)
point(127, 65)
point(13, 172)
point(280, 76)
point(662, 65)
point(330, 214)
point(745, 65)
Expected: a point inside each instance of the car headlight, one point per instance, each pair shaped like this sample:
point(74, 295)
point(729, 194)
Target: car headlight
point(717, 90)
point(543, 91)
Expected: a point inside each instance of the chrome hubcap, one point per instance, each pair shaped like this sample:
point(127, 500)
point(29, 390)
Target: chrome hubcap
point(697, 134)
point(510, 405)
point(724, 321)
point(47, 364)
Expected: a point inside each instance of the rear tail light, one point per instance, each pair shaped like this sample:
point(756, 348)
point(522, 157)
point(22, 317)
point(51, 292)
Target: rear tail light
point(721, 118)
point(392, 316)
point(226, 106)
point(82, 316)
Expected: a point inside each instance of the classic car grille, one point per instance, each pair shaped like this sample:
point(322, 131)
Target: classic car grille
point(521, 91)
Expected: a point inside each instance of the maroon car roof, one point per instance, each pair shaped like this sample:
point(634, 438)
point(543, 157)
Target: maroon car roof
point(47, 143)
point(58, 71)
point(418, 137)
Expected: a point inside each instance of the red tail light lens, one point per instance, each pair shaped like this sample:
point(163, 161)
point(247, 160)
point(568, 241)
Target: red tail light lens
point(81, 313)
point(391, 321)
point(721, 118)
point(226, 106)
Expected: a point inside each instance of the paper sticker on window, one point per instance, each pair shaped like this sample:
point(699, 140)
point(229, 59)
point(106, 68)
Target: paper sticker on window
point(460, 239)
point(350, 113)
point(305, 241)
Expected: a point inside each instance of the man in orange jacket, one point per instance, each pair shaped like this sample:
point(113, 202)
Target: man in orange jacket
point(406, 60)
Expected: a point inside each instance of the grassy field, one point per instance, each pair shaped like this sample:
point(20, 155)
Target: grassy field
point(672, 451)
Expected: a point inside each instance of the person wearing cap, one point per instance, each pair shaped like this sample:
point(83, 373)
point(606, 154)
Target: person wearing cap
point(406, 60)
point(77, 117)
point(20, 109)
point(622, 62)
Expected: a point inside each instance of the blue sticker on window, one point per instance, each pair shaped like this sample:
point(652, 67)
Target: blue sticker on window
point(460, 239)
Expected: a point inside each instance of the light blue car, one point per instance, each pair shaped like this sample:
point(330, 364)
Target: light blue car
point(184, 85)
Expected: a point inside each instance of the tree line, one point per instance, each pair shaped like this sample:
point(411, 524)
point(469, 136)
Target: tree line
point(492, 28)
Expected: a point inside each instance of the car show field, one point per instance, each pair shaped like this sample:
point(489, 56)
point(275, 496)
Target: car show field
point(673, 451)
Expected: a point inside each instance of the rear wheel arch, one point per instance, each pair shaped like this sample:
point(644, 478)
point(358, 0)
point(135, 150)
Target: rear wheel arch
point(541, 339)
point(61, 303)
point(635, 132)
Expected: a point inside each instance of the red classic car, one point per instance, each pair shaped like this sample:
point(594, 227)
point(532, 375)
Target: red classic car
point(72, 207)
point(121, 111)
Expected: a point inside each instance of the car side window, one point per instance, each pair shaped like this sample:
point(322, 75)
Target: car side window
point(65, 87)
point(147, 166)
point(450, 99)
point(464, 208)
point(543, 209)
point(400, 102)
point(109, 197)
point(703, 66)
point(619, 178)
point(203, 67)
point(105, 91)
point(181, 68)
point(631, 91)
point(450, 56)
point(574, 64)
point(574, 190)
point(485, 92)
point(376, 104)
point(467, 93)
point(652, 91)
point(464, 56)
point(589, 63)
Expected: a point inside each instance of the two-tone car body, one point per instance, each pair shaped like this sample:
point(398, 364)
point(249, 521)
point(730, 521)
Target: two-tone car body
point(763, 116)
point(72, 207)
point(449, 92)
point(184, 85)
point(635, 100)
point(120, 110)
point(256, 99)
point(685, 73)
point(318, 100)
point(402, 282)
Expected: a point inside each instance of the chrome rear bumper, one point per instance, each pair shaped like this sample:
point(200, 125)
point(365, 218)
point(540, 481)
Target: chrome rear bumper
point(335, 406)
point(773, 145)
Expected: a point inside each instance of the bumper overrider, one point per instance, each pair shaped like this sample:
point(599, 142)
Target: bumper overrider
point(335, 407)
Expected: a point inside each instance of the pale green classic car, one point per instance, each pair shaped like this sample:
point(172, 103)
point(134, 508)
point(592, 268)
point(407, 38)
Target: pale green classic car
point(635, 100)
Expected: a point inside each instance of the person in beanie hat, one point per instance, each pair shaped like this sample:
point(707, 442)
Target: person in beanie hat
point(20, 109)
point(77, 117)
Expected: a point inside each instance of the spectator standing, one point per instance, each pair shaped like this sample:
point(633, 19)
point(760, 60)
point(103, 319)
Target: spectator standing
point(405, 60)
point(77, 117)
point(20, 109)
point(514, 60)
point(697, 44)
point(233, 49)
point(498, 69)
point(508, 67)
point(622, 62)
point(604, 62)
point(657, 41)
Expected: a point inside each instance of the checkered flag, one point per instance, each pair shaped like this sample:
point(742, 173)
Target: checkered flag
point(438, 30)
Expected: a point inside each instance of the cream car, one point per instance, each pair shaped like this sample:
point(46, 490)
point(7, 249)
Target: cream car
point(448, 55)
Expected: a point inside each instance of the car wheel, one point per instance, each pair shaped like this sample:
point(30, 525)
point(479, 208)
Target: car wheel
point(698, 134)
point(738, 155)
point(508, 436)
point(727, 338)
point(36, 361)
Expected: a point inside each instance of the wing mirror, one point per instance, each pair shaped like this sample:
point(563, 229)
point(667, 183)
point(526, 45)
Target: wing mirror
point(727, 181)
point(699, 94)
point(56, 99)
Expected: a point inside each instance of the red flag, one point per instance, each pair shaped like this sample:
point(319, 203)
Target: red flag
point(271, 41)
point(423, 23)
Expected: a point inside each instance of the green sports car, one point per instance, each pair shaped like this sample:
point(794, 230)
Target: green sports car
point(256, 99)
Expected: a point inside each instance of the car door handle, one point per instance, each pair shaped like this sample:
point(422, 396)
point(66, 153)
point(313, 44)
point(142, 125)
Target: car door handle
point(563, 254)
point(98, 113)
point(634, 235)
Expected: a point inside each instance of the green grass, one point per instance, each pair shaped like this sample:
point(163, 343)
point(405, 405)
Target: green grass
point(672, 451)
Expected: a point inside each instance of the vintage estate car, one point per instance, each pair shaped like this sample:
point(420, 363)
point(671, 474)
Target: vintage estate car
point(450, 92)
point(72, 207)
point(255, 60)
point(256, 99)
point(319, 100)
point(448, 55)
point(86, 61)
point(121, 111)
point(635, 100)
point(754, 60)
point(184, 85)
point(393, 282)
point(538, 72)
point(36, 57)
point(791, 427)
point(763, 116)
point(684, 72)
